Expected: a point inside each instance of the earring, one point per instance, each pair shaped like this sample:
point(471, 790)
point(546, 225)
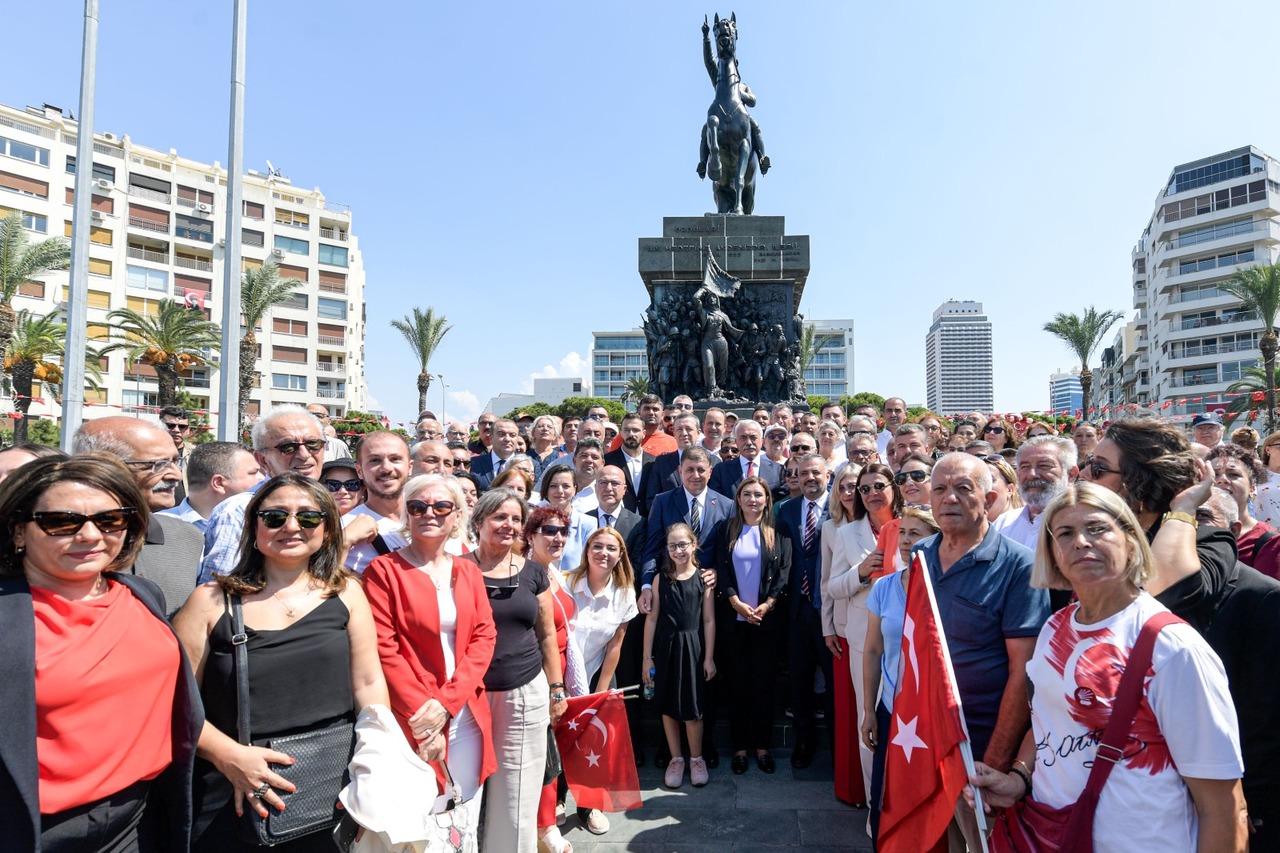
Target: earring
point(255, 545)
point(20, 550)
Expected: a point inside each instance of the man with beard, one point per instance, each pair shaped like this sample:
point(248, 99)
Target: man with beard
point(375, 526)
point(713, 432)
point(631, 458)
point(171, 555)
point(1046, 465)
point(895, 415)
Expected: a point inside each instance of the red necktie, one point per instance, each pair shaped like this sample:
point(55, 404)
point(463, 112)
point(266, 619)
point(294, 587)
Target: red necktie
point(751, 468)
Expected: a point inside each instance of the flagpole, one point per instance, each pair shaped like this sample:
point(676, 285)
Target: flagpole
point(229, 413)
point(966, 747)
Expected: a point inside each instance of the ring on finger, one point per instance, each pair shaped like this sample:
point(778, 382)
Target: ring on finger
point(262, 791)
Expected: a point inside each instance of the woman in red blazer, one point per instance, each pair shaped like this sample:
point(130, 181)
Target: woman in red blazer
point(436, 637)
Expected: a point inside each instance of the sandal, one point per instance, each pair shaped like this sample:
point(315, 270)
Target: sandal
point(559, 844)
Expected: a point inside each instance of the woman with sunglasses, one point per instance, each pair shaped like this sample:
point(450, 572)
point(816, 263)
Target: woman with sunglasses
point(524, 683)
point(98, 709)
point(558, 488)
point(343, 483)
point(915, 482)
point(868, 503)
point(312, 648)
point(545, 533)
point(436, 637)
point(1000, 434)
point(755, 562)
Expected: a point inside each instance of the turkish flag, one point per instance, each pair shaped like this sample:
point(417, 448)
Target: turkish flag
point(924, 769)
point(193, 298)
point(595, 749)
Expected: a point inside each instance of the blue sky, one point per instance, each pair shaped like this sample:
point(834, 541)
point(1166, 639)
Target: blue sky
point(501, 159)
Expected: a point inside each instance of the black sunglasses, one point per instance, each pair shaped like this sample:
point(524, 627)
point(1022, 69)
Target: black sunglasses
point(56, 523)
point(1096, 468)
point(728, 451)
point(801, 448)
point(998, 430)
point(879, 487)
point(439, 509)
point(288, 448)
point(178, 427)
point(274, 519)
point(915, 476)
point(553, 530)
point(338, 485)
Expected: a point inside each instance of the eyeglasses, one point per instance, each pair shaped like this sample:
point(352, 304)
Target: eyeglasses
point(612, 484)
point(861, 454)
point(274, 519)
point(931, 427)
point(335, 486)
point(801, 448)
point(462, 463)
point(324, 416)
point(69, 523)
point(486, 424)
point(993, 458)
point(439, 509)
point(998, 430)
point(915, 476)
point(288, 448)
point(684, 407)
point(151, 466)
point(728, 451)
point(859, 432)
point(553, 530)
point(1096, 468)
point(679, 546)
point(175, 426)
point(879, 487)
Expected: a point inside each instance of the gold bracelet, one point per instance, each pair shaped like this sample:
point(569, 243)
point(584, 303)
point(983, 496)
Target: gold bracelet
point(1181, 516)
point(1024, 766)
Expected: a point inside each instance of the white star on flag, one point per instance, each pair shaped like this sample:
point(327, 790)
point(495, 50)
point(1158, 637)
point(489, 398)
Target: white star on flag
point(573, 725)
point(593, 759)
point(907, 737)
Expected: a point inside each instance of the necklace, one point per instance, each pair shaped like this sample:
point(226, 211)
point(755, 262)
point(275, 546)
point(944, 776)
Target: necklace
point(291, 612)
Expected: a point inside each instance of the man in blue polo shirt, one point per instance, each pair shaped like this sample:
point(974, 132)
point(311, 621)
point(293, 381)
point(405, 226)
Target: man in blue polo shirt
point(990, 614)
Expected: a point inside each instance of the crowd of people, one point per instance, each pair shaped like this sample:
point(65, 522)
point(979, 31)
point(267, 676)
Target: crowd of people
point(179, 614)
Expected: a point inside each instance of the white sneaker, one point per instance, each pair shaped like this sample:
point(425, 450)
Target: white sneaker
point(675, 773)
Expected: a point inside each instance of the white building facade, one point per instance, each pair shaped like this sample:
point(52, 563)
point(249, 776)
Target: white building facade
point(1214, 216)
point(959, 369)
point(157, 232)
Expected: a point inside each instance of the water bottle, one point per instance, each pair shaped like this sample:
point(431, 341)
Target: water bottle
point(648, 687)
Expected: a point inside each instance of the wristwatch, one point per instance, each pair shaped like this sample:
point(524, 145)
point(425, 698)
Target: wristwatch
point(558, 697)
point(1181, 516)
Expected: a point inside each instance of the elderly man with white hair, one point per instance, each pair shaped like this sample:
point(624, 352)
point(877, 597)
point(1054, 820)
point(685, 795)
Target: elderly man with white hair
point(1046, 465)
point(287, 438)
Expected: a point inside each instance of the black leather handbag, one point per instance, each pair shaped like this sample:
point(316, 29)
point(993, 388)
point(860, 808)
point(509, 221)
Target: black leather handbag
point(319, 770)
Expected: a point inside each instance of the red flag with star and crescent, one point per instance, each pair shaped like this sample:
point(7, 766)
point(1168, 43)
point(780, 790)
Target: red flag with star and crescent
point(595, 749)
point(924, 767)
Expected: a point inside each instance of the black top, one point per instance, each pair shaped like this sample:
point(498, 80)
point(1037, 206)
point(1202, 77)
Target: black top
point(517, 657)
point(1237, 609)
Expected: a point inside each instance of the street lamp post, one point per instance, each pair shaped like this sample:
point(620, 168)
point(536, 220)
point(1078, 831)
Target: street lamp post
point(444, 420)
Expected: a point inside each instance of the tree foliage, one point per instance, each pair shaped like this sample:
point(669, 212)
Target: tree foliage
point(1082, 333)
point(423, 331)
point(1258, 289)
point(172, 339)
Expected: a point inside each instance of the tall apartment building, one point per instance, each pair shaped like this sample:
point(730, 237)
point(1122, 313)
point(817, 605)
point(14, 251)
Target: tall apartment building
point(619, 356)
point(1065, 391)
point(1214, 216)
point(157, 232)
point(958, 360)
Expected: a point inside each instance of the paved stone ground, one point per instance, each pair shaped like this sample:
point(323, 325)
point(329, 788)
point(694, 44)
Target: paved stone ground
point(734, 814)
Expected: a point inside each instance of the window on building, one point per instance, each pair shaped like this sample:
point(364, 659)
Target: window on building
point(292, 218)
point(33, 289)
point(335, 255)
point(293, 245)
point(249, 237)
point(297, 355)
point(23, 151)
point(100, 170)
point(334, 309)
point(285, 326)
point(193, 227)
point(148, 279)
point(1232, 371)
point(1191, 265)
point(23, 186)
point(97, 266)
point(288, 381)
point(296, 300)
point(30, 221)
point(292, 272)
point(96, 298)
point(134, 398)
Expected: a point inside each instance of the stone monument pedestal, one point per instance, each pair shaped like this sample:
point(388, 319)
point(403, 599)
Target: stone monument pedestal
point(722, 323)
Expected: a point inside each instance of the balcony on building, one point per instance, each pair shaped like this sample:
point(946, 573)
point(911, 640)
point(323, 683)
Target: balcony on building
point(149, 189)
point(331, 230)
point(193, 259)
point(331, 336)
point(331, 368)
point(147, 247)
point(1188, 325)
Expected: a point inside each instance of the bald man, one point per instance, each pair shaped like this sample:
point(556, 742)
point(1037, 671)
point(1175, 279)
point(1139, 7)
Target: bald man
point(171, 555)
point(430, 457)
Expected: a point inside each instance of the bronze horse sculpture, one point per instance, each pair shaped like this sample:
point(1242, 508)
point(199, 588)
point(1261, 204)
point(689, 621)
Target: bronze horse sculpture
point(731, 142)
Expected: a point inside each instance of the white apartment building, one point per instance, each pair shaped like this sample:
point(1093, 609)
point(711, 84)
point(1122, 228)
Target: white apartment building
point(959, 369)
point(619, 356)
point(552, 390)
point(1214, 216)
point(158, 233)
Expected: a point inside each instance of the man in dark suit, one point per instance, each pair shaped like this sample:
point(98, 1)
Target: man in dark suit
point(695, 505)
point(632, 458)
point(800, 520)
point(491, 463)
point(748, 435)
point(612, 512)
point(664, 475)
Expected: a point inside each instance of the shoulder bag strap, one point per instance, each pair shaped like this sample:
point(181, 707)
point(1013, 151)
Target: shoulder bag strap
point(240, 661)
point(380, 545)
point(1128, 698)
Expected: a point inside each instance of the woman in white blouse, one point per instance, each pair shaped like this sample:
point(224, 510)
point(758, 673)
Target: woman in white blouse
point(558, 488)
point(866, 501)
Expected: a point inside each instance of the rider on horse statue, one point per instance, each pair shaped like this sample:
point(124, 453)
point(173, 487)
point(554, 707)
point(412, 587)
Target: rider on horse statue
point(731, 143)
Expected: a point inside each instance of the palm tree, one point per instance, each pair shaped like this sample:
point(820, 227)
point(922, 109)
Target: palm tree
point(171, 339)
point(1082, 334)
point(424, 331)
point(1245, 393)
point(810, 343)
point(34, 339)
point(261, 290)
point(19, 263)
point(636, 387)
point(1258, 289)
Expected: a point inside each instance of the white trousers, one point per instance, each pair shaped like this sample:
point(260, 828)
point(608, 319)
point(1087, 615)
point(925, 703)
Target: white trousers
point(520, 720)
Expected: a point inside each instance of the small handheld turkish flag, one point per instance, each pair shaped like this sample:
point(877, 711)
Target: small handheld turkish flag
point(924, 768)
point(595, 749)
